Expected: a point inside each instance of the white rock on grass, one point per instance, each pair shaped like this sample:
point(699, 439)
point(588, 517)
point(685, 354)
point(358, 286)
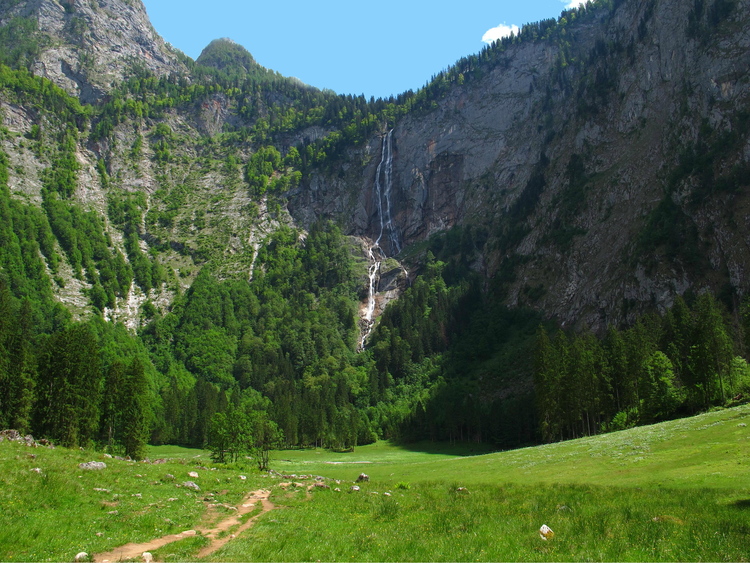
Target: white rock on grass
point(193, 475)
point(546, 533)
point(93, 465)
point(81, 556)
point(147, 557)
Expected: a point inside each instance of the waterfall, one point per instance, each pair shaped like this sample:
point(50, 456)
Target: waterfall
point(383, 192)
point(376, 254)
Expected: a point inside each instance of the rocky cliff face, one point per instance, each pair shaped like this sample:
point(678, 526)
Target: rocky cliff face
point(89, 45)
point(571, 152)
point(605, 167)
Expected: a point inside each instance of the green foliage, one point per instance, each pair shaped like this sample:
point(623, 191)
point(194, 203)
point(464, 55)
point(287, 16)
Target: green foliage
point(658, 369)
point(289, 335)
point(21, 42)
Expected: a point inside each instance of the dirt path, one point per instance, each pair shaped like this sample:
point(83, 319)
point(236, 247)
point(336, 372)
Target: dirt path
point(134, 550)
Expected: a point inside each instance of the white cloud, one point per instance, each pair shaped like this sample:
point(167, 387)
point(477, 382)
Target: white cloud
point(499, 32)
point(574, 3)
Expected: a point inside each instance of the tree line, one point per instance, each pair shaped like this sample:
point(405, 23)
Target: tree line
point(682, 363)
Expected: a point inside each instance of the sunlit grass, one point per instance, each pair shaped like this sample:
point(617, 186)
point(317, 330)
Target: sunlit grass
point(434, 522)
point(673, 491)
point(52, 515)
point(710, 450)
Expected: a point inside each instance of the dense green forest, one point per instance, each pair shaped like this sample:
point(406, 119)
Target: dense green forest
point(275, 353)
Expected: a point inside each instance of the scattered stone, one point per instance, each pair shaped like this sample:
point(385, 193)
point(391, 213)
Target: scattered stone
point(137, 495)
point(169, 477)
point(318, 485)
point(99, 534)
point(546, 533)
point(113, 512)
point(742, 425)
point(11, 435)
point(37, 470)
point(463, 491)
point(354, 488)
point(82, 556)
point(363, 478)
point(189, 533)
point(31, 456)
point(100, 490)
point(191, 485)
point(159, 461)
point(15, 436)
point(108, 456)
point(147, 557)
point(337, 490)
point(242, 478)
point(564, 508)
point(374, 493)
point(93, 465)
point(386, 494)
point(193, 474)
point(171, 499)
point(138, 475)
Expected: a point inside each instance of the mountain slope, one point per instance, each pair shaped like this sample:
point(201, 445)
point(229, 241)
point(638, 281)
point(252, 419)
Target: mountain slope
point(608, 158)
point(86, 47)
point(584, 173)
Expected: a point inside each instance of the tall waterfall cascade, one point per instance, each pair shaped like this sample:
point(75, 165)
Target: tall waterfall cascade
point(375, 252)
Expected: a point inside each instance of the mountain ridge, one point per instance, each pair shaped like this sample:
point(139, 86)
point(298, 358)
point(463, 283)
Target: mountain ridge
point(590, 172)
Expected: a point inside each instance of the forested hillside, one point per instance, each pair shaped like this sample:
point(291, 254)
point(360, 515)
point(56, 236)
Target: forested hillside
point(191, 245)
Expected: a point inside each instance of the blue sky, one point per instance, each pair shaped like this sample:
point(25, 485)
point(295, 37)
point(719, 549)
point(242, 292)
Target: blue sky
point(376, 48)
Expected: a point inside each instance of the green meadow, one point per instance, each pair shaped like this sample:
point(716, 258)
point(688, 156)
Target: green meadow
point(676, 491)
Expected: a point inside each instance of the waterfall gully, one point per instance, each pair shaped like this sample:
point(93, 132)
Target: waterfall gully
point(376, 254)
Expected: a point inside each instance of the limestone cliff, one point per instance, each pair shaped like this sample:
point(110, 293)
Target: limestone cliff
point(90, 45)
point(604, 162)
point(610, 167)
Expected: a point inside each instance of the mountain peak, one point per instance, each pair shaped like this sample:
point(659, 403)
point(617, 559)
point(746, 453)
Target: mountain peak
point(86, 46)
point(228, 56)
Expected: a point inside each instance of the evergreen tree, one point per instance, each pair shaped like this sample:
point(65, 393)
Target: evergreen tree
point(70, 378)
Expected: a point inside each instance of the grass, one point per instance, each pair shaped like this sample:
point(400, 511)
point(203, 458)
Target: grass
point(709, 450)
point(674, 491)
point(52, 515)
point(432, 521)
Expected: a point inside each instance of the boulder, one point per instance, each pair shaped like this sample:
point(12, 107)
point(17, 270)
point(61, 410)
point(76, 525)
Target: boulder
point(93, 465)
point(363, 478)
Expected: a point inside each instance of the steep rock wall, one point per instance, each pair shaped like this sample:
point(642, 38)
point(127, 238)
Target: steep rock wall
point(577, 144)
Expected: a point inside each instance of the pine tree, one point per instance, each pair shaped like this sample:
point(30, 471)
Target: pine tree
point(136, 413)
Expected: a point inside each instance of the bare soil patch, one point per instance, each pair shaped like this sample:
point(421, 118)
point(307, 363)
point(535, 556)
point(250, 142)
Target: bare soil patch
point(249, 503)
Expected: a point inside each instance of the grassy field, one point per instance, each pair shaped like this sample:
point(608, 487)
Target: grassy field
point(678, 491)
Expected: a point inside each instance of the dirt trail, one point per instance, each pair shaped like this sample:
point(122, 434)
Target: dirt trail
point(134, 550)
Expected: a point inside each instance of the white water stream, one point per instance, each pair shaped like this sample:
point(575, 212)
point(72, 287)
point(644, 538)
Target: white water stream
point(375, 252)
